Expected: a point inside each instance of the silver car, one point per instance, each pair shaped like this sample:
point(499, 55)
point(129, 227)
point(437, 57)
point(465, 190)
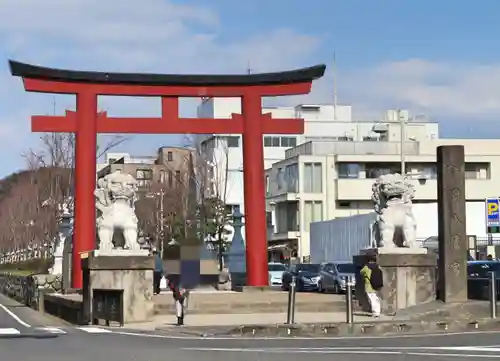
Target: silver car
point(334, 276)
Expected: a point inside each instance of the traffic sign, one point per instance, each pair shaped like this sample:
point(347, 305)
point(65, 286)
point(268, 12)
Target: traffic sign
point(492, 215)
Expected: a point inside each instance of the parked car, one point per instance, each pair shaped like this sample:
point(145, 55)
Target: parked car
point(333, 277)
point(307, 277)
point(478, 278)
point(276, 271)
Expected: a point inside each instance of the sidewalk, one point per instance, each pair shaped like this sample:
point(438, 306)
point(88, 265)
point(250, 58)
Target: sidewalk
point(200, 320)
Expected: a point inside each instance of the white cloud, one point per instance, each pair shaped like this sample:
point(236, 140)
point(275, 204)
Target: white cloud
point(128, 35)
point(441, 89)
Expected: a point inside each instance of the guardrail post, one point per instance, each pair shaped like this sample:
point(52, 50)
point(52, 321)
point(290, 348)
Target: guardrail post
point(292, 289)
point(493, 295)
point(348, 300)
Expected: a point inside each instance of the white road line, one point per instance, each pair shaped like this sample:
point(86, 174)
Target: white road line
point(273, 350)
point(480, 352)
point(14, 316)
point(445, 355)
point(91, 329)
point(52, 330)
point(9, 331)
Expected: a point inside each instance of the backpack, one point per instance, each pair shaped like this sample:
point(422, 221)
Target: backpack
point(376, 278)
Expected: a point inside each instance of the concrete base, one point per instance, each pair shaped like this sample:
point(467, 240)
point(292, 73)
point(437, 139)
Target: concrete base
point(256, 289)
point(119, 252)
point(132, 274)
point(409, 279)
point(393, 250)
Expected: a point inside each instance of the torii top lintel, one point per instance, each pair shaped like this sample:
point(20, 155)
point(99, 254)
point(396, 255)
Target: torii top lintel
point(251, 88)
point(50, 80)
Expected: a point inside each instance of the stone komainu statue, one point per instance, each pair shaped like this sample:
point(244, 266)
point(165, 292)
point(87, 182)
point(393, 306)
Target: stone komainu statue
point(115, 199)
point(395, 225)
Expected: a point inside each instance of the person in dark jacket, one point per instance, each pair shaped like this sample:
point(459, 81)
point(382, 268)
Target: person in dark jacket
point(180, 296)
point(158, 273)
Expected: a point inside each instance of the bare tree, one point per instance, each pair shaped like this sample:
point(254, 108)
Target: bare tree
point(212, 175)
point(34, 213)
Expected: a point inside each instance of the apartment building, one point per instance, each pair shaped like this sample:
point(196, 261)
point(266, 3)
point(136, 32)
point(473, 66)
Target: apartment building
point(170, 166)
point(325, 122)
point(321, 180)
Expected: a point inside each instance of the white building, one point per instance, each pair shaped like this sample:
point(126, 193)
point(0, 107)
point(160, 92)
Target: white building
point(322, 122)
point(324, 180)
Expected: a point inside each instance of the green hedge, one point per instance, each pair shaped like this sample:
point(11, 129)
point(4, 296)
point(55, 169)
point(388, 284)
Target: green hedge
point(32, 266)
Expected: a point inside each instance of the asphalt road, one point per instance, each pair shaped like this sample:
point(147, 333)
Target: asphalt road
point(148, 347)
point(42, 338)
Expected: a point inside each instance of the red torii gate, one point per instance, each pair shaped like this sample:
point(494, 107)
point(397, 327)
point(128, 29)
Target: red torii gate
point(252, 124)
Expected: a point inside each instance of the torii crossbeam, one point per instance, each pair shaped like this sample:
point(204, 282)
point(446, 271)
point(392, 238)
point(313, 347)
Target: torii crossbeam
point(86, 122)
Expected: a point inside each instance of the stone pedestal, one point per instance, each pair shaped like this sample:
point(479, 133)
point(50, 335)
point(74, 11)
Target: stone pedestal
point(409, 277)
point(129, 271)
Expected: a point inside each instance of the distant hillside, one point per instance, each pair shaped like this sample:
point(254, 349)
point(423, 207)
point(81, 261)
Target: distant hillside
point(27, 214)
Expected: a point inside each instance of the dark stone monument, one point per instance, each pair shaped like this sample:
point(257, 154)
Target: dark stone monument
point(452, 264)
point(236, 257)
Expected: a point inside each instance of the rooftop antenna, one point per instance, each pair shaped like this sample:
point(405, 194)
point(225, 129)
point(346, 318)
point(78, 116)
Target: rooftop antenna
point(249, 69)
point(334, 71)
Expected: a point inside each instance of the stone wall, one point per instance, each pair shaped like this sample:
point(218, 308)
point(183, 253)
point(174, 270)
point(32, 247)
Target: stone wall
point(27, 289)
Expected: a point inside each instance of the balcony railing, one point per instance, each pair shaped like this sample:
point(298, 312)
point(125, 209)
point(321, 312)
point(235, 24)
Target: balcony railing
point(354, 148)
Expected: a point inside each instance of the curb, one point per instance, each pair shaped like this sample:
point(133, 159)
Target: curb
point(382, 328)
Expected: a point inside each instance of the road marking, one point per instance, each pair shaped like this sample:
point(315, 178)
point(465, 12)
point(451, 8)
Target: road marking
point(14, 316)
point(52, 329)
point(451, 354)
point(91, 329)
point(412, 351)
point(9, 331)
point(298, 350)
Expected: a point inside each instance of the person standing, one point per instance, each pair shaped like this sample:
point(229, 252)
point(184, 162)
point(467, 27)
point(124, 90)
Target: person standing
point(158, 273)
point(181, 298)
point(373, 282)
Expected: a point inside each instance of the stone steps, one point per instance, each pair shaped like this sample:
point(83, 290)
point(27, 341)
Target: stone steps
point(258, 302)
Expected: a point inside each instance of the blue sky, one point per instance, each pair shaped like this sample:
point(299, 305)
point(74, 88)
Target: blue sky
point(435, 57)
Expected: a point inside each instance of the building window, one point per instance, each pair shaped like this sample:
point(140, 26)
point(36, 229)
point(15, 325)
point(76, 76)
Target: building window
point(143, 177)
point(348, 170)
point(111, 160)
point(170, 178)
point(162, 176)
point(288, 142)
point(346, 138)
point(233, 142)
point(269, 219)
point(313, 212)
point(178, 177)
point(277, 142)
point(279, 178)
point(170, 157)
point(370, 139)
point(287, 217)
point(375, 170)
point(477, 171)
point(292, 178)
point(313, 178)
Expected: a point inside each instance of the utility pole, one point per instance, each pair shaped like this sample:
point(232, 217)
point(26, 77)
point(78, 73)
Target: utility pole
point(402, 124)
point(162, 222)
point(334, 71)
